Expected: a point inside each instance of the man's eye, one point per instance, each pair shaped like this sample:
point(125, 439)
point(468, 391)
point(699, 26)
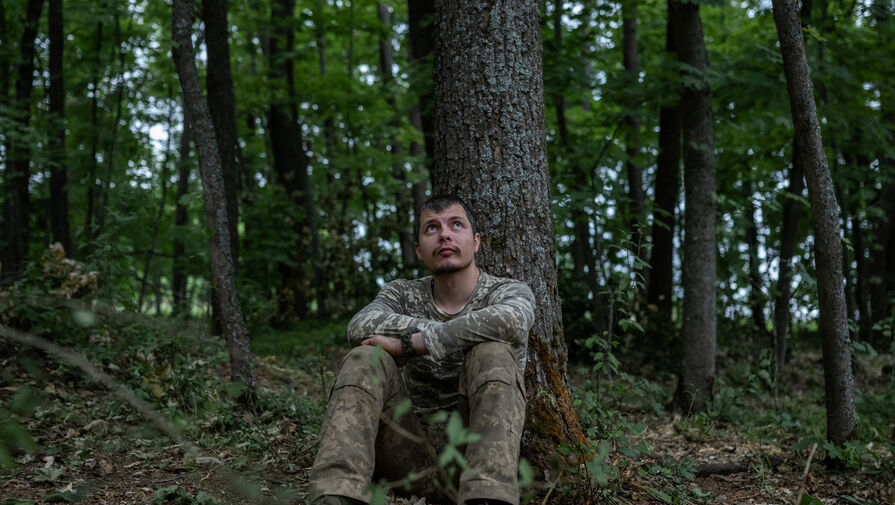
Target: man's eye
point(431, 227)
point(458, 225)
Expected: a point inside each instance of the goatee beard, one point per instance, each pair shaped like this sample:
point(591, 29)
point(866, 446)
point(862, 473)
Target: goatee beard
point(450, 269)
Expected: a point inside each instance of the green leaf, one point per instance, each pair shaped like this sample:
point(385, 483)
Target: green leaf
point(807, 499)
point(526, 473)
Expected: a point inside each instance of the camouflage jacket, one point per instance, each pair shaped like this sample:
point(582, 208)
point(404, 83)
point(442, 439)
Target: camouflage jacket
point(499, 309)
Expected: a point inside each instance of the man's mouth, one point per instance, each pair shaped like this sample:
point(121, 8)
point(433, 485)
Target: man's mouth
point(446, 251)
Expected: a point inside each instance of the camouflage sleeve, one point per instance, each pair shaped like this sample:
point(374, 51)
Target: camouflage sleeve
point(384, 316)
point(507, 318)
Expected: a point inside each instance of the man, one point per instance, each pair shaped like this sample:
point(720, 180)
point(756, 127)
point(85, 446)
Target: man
point(455, 340)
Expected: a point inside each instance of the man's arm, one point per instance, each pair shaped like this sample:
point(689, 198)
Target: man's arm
point(508, 318)
point(384, 317)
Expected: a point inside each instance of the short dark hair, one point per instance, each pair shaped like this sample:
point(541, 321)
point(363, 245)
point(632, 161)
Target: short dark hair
point(439, 203)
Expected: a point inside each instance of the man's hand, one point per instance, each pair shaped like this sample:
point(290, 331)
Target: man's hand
point(390, 345)
point(393, 346)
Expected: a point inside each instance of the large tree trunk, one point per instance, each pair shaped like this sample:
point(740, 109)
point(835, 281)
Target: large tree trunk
point(833, 325)
point(667, 188)
point(58, 165)
point(699, 322)
point(16, 212)
point(788, 237)
point(490, 149)
point(242, 366)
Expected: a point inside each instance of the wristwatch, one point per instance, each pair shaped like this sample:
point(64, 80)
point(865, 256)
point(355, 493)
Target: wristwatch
point(407, 343)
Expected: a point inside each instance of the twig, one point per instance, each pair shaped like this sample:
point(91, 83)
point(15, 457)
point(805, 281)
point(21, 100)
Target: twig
point(805, 474)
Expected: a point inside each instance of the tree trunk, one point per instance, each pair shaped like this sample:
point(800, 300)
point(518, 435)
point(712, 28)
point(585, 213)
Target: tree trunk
point(667, 189)
point(403, 199)
point(490, 149)
point(833, 325)
point(94, 140)
point(163, 199)
point(421, 14)
point(109, 155)
point(58, 165)
point(698, 277)
point(631, 61)
point(788, 237)
point(756, 297)
point(222, 104)
point(178, 274)
point(290, 162)
point(242, 366)
point(582, 252)
point(17, 175)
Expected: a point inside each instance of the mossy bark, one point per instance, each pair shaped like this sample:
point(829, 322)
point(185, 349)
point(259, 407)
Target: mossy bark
point(490, 149)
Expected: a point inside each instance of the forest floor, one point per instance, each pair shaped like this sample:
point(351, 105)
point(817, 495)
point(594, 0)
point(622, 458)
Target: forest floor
point(88, 447)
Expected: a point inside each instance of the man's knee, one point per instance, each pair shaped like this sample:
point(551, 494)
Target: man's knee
point(492, 362)
point(370, 369)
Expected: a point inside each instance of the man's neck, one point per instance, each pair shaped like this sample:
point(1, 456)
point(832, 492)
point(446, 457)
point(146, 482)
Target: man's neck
point(452, 291)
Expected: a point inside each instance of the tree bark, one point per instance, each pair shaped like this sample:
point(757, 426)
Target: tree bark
point(667, 189)
point(697, 374)
point(490, 150)
point(788, 237)
point(242, 366)
point(222, 104)
point(58, 164)
point(17, 175)
point(838, 381)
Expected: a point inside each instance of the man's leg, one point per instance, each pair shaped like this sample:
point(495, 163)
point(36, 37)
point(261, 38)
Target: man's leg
point(368, 384)
point(493, 386)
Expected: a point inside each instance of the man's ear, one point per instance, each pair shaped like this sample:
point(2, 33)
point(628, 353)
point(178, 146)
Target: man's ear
point(416, 247)
point(478, 241)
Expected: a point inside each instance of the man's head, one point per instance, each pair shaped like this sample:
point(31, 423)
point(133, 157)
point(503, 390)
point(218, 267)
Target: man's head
point(446, 237)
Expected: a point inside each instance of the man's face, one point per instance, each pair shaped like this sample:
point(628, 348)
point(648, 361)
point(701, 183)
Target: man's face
point(446, 243)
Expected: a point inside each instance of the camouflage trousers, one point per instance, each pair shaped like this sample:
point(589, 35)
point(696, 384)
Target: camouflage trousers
point(360, 441)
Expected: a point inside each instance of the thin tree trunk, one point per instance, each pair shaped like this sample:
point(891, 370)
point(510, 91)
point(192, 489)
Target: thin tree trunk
point(163, 178)
point(58, 165)
point(109, 157)
point(323, 291)
point(403, 200)
point(667, 189)
point(833, 325)
point(242, 366)
point(491, 151)
point(631, 61)
point(94, 140)
point(583, 258)
point(697, 375)
point(421, 14)
point(18, 171)
point(178, 274)
point(756, 297)
point(788, 237)
point(289, 159)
